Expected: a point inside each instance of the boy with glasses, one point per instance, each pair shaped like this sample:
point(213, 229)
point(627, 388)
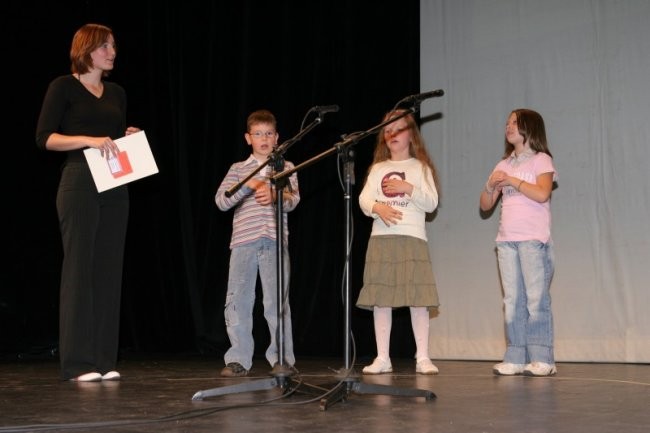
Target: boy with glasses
point(253, 247)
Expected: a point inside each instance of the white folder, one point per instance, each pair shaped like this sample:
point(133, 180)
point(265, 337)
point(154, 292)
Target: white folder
point(134, 162)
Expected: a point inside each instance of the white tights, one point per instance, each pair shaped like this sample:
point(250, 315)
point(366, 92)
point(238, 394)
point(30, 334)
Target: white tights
point(383, 318)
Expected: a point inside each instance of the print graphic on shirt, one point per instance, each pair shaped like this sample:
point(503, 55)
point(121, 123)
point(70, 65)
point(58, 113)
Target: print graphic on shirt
point(512, 190)
point(392, 175)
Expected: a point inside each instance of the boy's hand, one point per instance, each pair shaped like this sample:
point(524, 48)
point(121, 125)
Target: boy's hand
point(264, 194)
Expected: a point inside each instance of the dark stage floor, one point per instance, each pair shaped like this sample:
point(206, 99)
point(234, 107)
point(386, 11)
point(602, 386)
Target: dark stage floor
point(156, 395)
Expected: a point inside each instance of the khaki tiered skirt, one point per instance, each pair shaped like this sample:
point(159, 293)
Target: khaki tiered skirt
point(398, 273)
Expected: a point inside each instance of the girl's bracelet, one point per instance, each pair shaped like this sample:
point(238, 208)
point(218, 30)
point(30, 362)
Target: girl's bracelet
point(519, 186)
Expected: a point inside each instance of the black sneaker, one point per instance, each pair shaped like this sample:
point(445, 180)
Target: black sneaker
point(234, 369)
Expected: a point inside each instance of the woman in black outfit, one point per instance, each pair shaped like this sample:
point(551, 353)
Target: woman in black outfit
point(79, 111)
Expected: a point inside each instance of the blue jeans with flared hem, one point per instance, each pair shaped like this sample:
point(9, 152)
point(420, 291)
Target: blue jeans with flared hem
point(526, 270)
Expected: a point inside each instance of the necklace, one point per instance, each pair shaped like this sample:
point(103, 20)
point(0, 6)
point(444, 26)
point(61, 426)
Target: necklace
point(516, 160)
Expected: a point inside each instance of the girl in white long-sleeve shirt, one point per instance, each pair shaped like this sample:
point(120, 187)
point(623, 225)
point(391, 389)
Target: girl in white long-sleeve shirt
point(398, 193)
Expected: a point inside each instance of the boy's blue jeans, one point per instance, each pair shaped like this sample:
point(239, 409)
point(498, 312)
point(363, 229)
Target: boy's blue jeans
point(526, 270)
point(245, 263)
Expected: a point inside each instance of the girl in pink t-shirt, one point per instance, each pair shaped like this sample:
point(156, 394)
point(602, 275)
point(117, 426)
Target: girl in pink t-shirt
point(524, 179)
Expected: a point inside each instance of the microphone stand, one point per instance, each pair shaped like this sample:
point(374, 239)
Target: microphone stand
point(281, 373)
point(348, 379)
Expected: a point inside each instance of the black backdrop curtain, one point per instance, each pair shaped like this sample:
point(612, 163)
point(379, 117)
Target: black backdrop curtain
point(193, 71)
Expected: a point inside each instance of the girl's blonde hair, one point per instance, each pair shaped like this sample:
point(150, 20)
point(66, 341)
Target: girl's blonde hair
point(417, 146)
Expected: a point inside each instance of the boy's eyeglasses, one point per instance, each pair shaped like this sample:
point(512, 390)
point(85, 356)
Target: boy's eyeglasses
point(260, 134)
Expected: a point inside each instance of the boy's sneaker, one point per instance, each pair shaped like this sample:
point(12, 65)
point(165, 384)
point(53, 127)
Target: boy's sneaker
point(425, 366)
point(508, 369)
point(234, 369)
point(378, 366)
point(284, 369)
point(540, 369)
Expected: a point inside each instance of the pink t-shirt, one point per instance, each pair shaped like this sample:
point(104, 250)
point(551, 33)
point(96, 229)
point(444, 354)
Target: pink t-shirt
point(523, 219)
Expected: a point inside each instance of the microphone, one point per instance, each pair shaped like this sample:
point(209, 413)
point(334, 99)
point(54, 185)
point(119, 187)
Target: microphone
point(426, 95)
point(322, 109)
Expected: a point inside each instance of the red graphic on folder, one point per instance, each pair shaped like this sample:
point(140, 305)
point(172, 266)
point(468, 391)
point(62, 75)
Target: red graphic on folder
point(119, 165)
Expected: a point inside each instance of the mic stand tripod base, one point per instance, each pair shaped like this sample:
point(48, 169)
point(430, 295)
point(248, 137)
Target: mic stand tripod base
point(349, 382)
point(254, 385)
point(282, 379)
